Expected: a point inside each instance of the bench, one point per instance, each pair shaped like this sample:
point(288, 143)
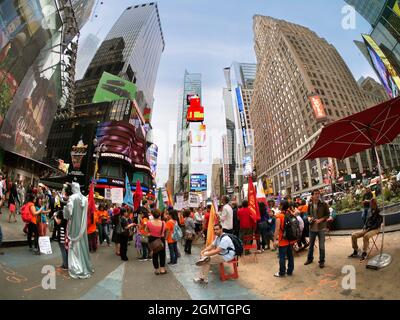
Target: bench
point(235, 275)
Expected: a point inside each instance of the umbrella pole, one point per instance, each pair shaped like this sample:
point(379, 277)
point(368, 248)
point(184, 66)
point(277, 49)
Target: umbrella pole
point(383, 259)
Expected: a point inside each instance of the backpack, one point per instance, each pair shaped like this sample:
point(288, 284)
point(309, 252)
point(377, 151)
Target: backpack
point(291, 228)
point(177, 234)
point(26, 213)
point(237, 244)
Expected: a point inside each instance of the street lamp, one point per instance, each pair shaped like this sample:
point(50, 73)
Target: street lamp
point(98, 149)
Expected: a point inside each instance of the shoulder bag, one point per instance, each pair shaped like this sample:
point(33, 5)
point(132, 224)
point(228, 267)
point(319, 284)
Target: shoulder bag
point(157, 245)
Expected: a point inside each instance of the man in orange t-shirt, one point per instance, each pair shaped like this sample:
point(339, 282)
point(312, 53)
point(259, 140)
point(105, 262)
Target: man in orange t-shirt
point(92, 231)
point(172, 219)
point(285, 246)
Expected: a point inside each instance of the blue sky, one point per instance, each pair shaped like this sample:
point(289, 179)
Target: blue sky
point(206, 36)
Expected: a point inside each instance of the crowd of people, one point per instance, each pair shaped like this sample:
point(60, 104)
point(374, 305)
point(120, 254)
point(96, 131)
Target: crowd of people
point(149, 231)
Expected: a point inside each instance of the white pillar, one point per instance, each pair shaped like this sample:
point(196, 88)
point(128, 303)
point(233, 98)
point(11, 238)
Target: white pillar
point(348, 166)
point(308, 173)
point(299, 176)
point(320, 176)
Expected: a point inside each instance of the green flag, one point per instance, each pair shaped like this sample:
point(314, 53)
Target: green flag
point(160, 201)
point(113, 88)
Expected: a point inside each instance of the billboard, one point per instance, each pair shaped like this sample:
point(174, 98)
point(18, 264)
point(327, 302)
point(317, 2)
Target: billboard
point(30, 71)
point(318, 107)
point(122, 143)
point(198, 182)
point(388, 75)
point(151, 156)
point(242, 116)
point(113, 88)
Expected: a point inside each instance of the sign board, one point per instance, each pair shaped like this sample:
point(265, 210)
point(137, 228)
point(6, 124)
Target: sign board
point(198, 182)
point(194, 200)
point(117, 195)
point(164, 195)
point(318, 107)
point(44, 245)
point(113, 88)
point(107, 194)
point(180, 203)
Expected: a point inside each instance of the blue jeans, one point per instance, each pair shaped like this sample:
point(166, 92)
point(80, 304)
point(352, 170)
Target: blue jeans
point(105, 232)
point(173, 252)
point(286, 252)
point(364, 216)
point(64, 254)
point(321, 239)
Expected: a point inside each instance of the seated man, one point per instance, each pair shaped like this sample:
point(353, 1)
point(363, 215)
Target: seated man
point(221, 250)
point(371, 228)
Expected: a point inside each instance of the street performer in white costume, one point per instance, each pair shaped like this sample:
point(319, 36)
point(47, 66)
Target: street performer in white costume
point(75, 211)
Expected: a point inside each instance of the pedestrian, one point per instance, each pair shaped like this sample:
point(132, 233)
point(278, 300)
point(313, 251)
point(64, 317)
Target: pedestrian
point(144, 235)
point(262, 227)
point(156, 229)
point(61, 230)
point(198, 222)
point(285, 246)
point(189, 231)
point(12, 202)
point(92, 232)
point(41, 220)
point(21, 196)
point(32, 226)
point(115, 221)
point(303, 208)
point(104, 224)
point(236, 223)
point(125, 225)
point(247, 225)
point(270, 230)
point(370, 229)
point(221, 250)
point(2, 192)
point(172, 220)
point(227, 215)
point(1, 240)
point(366, 200)
point(318, 214)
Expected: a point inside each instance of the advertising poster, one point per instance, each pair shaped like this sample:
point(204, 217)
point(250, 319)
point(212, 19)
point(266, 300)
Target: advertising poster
point(113, 88)
point(318, 107)
point(151, 156)
point(117, 195)
point(198, 182)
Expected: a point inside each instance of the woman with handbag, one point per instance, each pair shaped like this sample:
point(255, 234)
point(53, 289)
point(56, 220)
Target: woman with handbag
point(156, 230)
point(144, 235)
point(189, 231)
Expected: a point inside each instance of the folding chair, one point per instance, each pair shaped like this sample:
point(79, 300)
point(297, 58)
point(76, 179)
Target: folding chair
point(252, 247)
point(374, 243)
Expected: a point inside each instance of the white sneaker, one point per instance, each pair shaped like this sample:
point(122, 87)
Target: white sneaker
point(200, 280)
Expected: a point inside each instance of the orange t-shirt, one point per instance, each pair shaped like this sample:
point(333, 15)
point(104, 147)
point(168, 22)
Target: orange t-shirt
point(92, 227)
point(102, 215)
point(142, 227)
point(283, 242)
point(170, 227)
point(30, 205)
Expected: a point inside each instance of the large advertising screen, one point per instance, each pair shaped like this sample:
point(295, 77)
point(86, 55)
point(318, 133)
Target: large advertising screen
point(242, 116)
point(113, 88)
point(318, 107)
point(198, 182)
point(388, 75)
point(29, 74)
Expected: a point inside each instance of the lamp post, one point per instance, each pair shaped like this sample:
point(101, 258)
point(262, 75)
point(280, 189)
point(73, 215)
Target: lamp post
point(98, 150)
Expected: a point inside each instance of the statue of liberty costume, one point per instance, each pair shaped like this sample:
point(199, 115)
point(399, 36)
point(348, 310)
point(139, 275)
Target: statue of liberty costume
point(75, 211)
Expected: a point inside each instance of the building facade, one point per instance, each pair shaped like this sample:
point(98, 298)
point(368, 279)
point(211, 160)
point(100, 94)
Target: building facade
point(191, 86)
point(86, 51)
point(237, 96)
point(217, 181)
point(373, 91)
point(38, 44)
point(382, 46)
point(298, 90)
point(137, 33)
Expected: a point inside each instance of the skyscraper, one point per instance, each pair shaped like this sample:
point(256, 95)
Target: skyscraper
point(86, 51)
point(371, 10)
point(140, 27)
point(382, 46)
point(191, 86)
point(131, 50)
point(302, 82)
point(237, 96)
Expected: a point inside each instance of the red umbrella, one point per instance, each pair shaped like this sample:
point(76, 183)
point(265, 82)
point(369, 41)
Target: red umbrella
point(364, 130)
point(137, 196)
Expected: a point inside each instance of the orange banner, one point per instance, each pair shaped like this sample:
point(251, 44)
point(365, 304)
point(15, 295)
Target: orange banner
point(210, 227)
